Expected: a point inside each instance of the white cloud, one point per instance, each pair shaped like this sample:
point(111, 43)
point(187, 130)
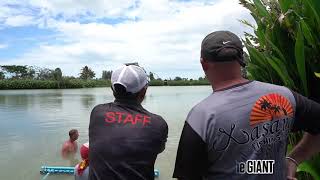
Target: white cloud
point(19, 20)
point(166, 38)
point(70, 8)
point(3, 46)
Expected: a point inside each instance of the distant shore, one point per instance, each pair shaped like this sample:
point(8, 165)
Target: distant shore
point(8, 84)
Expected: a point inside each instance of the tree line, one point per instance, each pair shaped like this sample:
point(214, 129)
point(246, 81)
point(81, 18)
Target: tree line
point(86, 73)
point(32, 77)
point(32, 72)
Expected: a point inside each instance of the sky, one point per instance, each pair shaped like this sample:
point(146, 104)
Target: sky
point(163, 36)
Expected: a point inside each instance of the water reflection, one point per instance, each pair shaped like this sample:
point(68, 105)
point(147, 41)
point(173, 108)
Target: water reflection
point(20, 100)
point(35, 123)
point(72, 160)
point(53, 100)
point(88, 100)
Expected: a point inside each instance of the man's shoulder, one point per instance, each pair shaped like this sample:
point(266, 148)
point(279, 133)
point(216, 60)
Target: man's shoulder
point(156, 117)
point(268, 85)
point(66, 144)
point(266, 89)
point(200, 112)
point(206, 103)
point(218, 100)
point(103, 106)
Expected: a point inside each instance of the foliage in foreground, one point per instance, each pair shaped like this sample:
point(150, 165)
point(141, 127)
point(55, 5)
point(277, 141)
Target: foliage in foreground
point(285, 47)
point(285, 50)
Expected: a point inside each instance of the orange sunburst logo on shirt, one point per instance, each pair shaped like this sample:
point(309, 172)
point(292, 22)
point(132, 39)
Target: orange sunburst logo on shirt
point(270, 107)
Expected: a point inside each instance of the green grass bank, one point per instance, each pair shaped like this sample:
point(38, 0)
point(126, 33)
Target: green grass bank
point(79, 83)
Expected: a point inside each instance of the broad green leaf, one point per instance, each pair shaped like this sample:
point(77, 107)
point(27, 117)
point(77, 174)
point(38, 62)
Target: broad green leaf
point(309, 4)
point(256, 73)
point(316, 5)
point(261, 8)
point(315, 162)
point(257, 57)
point(274, 47)
point(300, 60)
point(247, 5)
point(280, 68)
point(307, 33)
point(245, 22)
point(309, 168)
point(285, 4)
point(261, 36)
point(283, 47)
point(317, 74)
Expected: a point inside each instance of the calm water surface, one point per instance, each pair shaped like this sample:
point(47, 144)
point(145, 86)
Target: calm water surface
point(35, 123)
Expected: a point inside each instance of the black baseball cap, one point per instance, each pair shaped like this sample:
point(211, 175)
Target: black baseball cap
point(213, 44)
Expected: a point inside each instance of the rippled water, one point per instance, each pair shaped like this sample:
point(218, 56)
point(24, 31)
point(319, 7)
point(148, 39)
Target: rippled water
point(35, 123)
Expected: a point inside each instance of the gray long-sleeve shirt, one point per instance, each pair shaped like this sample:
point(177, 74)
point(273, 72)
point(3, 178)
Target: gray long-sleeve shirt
point(250, 121)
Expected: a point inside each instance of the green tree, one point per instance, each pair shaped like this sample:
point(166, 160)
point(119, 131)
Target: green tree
point(31, 73)
point(17, 71)
point(57, 74)
point(45, 74)
point(106, 75)
point(200, 78)
point(86, 73)
point(178, 78)
point(151, 76)
point(285, 50)
point(2, 76)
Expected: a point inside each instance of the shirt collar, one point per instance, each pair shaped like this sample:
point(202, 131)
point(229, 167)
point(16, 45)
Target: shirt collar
point(132, 102)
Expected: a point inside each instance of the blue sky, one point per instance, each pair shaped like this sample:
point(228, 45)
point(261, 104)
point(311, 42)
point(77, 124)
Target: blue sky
point(164, 36)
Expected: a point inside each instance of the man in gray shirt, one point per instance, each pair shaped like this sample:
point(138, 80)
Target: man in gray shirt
point(241, 130)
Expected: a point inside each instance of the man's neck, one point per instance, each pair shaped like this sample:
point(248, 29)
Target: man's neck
point(222, 84)
point(128, 101)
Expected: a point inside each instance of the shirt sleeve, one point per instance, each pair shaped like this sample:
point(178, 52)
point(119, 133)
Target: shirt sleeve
point(191, 161)
point(164, 137)
point(307, 116)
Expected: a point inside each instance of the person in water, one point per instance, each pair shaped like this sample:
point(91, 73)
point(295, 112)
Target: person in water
point(125, 138)
point(70, 147)
point(243, 120)
point(82, 169)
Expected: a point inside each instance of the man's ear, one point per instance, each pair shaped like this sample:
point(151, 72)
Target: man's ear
point(142, 93)
point(204, 64)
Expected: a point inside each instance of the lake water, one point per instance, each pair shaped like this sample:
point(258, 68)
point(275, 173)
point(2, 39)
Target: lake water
point(35, 123)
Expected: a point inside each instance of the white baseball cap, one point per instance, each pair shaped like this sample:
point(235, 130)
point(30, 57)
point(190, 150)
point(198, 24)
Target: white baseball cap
point(132, 77)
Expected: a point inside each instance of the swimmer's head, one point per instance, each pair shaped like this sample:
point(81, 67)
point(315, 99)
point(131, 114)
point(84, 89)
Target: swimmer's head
point(84, 151)
point(73, 134)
